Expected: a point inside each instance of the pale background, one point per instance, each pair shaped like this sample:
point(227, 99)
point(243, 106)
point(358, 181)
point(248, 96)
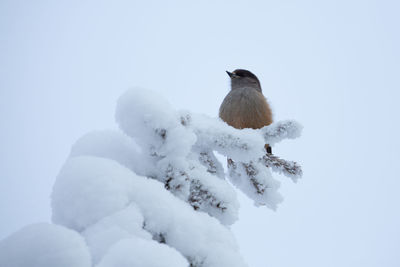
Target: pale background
point(332, 65)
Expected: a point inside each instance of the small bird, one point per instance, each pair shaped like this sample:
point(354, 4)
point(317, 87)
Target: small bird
point(245, 106)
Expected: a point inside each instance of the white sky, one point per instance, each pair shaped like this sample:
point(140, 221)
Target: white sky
point(332, 65)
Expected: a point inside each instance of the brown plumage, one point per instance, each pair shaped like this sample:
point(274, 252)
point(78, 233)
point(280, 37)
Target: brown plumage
point(245, 106)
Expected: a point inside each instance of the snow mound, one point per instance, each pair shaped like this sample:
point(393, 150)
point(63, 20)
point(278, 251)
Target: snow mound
point(94, 195)
point(124, 224)
point(44, 245)
point(87, 191)
point(147, 253)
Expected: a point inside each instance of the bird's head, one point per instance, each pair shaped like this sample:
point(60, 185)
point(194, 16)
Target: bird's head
point(244, 79)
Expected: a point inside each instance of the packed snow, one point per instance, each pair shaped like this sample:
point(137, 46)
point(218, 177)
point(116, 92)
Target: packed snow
point(142, 252)
point(92, 195)
point(44, 245)
point(154, 193)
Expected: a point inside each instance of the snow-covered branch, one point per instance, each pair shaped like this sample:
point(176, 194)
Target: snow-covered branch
point(280, 130)
point(215, 135)
point(256, 181)
point(290, 169)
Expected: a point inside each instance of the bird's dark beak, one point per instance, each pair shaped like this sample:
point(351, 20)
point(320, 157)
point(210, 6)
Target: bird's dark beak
point(229, 73)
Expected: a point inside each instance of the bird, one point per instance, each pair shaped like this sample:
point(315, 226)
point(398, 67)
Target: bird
point(245, 105)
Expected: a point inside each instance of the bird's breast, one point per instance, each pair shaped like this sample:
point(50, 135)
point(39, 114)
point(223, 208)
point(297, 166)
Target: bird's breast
point(245, 108)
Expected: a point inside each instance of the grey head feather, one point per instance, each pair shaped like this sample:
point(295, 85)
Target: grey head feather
point(241, 78)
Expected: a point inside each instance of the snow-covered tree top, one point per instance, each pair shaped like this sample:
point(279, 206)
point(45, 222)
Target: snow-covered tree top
point(154, 193)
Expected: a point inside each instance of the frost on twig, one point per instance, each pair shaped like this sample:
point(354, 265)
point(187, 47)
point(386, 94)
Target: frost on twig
point(255, 180)
point(290, 169)
point(208, 159)
point(280, 130)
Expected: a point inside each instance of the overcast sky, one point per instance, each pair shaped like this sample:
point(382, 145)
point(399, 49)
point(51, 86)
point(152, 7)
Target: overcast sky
point(332, 65)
